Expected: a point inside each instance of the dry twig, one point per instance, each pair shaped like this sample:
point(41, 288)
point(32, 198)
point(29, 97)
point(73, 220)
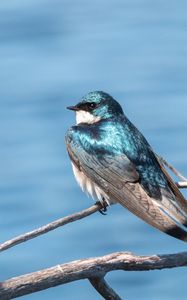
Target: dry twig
point(58, 223)
point(93, 269)
point(174, 170)
point(49, 227)
point(104, 289)
point(88, 269)
point(182, 184)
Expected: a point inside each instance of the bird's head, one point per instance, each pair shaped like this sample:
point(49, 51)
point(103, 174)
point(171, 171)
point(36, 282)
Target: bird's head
point(96, 106)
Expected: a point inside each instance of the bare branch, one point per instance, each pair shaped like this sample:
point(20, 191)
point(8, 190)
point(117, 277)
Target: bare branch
point(104, 289)
point(51, 226)
point(175, 171)
point(58, 223)
point(87, 269)
point(93, 269)
point(182, 184)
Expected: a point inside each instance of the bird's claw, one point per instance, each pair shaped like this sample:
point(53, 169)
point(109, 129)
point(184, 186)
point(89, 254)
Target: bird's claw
point(103, 206)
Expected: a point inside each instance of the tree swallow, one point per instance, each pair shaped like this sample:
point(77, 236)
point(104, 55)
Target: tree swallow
point(113, 163)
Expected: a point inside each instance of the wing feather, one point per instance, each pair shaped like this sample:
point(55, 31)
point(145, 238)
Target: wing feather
point(173, 201)
point(179, 196)
point(119, 179)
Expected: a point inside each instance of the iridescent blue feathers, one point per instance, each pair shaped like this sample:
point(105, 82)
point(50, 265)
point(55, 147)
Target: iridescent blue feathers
point(117, 161)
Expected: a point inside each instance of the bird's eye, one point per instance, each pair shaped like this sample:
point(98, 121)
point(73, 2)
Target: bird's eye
point(92, 105)
point(88, 106)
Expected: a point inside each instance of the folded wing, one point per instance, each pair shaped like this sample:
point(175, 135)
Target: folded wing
point(118, 177)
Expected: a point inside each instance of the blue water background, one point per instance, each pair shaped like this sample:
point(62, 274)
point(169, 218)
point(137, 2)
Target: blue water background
point(51, 54)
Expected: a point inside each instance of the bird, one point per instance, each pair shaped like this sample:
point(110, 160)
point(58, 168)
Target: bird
point(114, 163)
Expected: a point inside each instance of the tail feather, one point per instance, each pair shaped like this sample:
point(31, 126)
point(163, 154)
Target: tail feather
point(174, 202)
point(135, 199)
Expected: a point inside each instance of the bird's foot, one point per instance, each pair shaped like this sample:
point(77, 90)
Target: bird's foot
point(103, 206)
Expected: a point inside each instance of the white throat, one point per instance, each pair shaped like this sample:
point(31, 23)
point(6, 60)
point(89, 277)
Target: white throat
point(86, 117)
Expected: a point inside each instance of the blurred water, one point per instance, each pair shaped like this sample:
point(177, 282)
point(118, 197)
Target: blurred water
point(52, 53)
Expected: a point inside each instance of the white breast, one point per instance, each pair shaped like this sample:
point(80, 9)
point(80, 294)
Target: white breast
point(89, 187)
point(86, 117)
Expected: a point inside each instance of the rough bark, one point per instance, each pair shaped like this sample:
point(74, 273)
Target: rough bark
point(87, 269)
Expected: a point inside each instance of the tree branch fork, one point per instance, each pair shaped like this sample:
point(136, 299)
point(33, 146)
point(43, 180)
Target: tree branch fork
point(93, 269)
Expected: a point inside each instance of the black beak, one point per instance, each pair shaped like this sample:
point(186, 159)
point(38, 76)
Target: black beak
point(75, 108)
